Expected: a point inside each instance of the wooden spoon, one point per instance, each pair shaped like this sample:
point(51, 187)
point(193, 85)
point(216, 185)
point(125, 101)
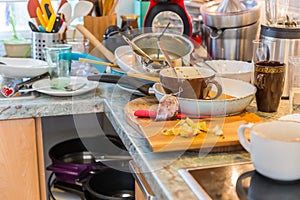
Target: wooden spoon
point(85, 32)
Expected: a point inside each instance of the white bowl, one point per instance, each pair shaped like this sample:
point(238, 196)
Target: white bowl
point(232, 69)
point(242, 92)
point(20, 49)
point(22, 67)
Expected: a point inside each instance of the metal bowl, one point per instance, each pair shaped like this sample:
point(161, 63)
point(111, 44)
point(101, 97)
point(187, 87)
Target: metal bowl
point(178, 47)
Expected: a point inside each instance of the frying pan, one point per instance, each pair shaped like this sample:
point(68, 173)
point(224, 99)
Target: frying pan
point(110, 184)
point(143, 86)
point(72, 158)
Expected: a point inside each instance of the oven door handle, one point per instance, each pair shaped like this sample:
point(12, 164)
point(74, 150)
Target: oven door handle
point(140, 179)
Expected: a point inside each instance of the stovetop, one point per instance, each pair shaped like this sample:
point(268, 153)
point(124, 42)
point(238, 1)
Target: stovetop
point(237, 181)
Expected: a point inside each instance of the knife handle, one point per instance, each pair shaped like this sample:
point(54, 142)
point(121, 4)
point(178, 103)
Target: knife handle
point(51, 23)
point(126, 80)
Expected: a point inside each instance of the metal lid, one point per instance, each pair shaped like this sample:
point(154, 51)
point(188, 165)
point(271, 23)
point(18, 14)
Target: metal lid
point(280, 32)
point(230, 13)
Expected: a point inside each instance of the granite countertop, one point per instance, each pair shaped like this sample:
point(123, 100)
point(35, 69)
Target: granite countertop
point(159, 169)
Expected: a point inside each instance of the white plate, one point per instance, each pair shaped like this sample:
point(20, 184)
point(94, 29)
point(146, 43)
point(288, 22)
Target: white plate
point(90, 85)
point(124, 58)
point(242, 92)
point(22, 67)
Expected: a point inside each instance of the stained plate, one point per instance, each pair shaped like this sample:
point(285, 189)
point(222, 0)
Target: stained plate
point(90, 85)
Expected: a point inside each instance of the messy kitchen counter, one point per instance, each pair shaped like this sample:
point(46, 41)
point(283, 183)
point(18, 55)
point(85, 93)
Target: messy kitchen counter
point(111, 99)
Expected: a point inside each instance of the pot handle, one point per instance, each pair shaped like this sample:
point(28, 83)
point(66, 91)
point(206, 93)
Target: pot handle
point(213, 32)
point(62, 170)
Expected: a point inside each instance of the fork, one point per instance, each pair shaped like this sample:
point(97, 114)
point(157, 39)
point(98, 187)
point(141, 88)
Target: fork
point(69, 88)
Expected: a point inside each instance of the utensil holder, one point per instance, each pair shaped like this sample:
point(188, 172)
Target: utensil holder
point(40, 40)
point(98, 25)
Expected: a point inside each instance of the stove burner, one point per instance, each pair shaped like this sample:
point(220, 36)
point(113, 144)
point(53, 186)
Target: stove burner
point(237, 181)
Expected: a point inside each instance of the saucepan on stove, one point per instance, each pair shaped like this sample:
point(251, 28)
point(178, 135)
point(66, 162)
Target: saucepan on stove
point(74, 159)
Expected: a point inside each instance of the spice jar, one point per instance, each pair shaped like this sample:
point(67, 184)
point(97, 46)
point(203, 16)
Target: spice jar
point(129, 20)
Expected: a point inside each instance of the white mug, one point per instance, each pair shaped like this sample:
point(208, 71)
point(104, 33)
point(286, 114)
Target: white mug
point(274, 147)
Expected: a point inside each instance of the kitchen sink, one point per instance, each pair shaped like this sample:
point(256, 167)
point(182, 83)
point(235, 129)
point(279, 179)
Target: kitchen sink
point(236, 181)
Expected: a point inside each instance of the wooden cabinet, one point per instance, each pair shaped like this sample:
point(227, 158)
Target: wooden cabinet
point(19, 167)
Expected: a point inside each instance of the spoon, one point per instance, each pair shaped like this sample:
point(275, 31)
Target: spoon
point(205, 64)
point(168, 105)
point(66, 10)
point(136, 48)
point(82, 8)
point(167, 57)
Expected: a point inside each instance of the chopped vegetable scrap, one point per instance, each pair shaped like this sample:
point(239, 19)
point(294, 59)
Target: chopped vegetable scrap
point(187, 128)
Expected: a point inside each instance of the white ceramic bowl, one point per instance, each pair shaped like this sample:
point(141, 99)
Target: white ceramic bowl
point(232, 69)
point(22, 67)
point(242, 92)
point(21, 49)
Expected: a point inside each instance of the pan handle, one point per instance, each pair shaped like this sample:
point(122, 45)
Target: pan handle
point(126, 80)
point(68, 171)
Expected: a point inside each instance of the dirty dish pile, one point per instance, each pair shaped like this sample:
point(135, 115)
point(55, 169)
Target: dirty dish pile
point(237, 95)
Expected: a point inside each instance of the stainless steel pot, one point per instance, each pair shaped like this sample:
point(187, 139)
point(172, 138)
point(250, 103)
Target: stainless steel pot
point(178, 47)
point(229, 32)
point(287, 44)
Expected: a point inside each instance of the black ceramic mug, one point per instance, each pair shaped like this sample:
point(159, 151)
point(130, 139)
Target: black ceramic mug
point(269, 81)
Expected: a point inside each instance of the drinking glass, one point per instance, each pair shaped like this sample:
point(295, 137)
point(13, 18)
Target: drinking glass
point(263, 50)
point(59, 60)
point(294, 82)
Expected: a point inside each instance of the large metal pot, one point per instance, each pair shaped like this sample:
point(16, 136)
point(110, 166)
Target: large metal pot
point(178, 47)
point(230, 29)
point(72, 158)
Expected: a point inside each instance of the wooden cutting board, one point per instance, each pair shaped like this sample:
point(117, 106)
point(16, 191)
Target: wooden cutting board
point(152, 130)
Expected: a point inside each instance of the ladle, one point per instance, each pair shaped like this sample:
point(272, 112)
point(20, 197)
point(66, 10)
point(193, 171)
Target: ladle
point(162, 33)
